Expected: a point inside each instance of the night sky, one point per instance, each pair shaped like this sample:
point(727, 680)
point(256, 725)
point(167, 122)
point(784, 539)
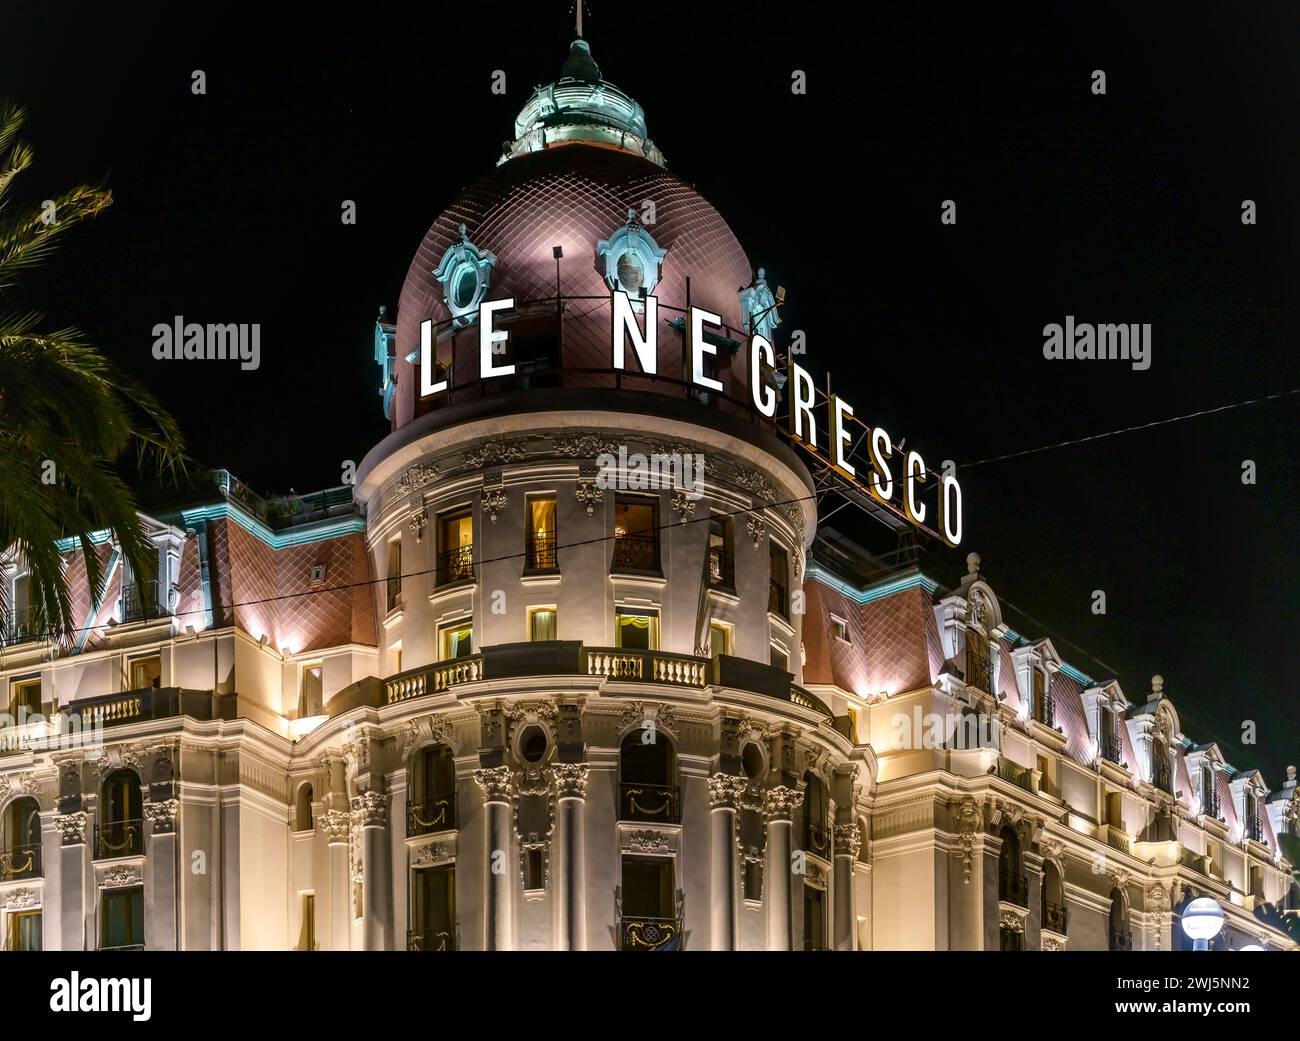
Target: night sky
point(1117, 208)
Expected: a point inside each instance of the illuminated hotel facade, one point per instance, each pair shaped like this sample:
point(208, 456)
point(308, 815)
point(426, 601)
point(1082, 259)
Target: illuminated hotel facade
point(503, 693)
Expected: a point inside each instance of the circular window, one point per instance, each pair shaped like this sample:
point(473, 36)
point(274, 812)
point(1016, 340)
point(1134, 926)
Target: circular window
point(464, 285)
point(533, 744)
point(751, 761)
point(631, 274)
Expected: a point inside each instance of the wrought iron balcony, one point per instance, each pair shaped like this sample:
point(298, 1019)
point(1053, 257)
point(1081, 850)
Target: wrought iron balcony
point(1014, 889)
point(649, 934)
point(436, 813)
point(778, 599)
point(20, 626)
point(1121, 940)
point(119, 839)
point(1255, 829)
point(1162, 776)
point(20, 862)
point(455, 565)
point(140, 601)
point(722, 568)
point(636, 552)
point(1210, 805)
point(540, 552)
point(1045, 710)
point(1110, 748)
point(1054, 917)
point(649, 802)
point(430, 940)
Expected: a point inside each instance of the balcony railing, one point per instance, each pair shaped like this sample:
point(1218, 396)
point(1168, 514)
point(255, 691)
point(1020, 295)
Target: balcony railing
point(436, 813)
point(140, 601)
point(456, 565)
point(618, 663)
point(636, 552)
point(1014, 889)
point(650, 934)
point(1121, 940)
point(648, 802)
point(20, 862)
point(1210, 806)
point(1045, 710)
point(540, 553)
point(1054, 917)
point(119, 839)
point(778, 600)
point(1012, 773)
point(1110, 748)
point(20, 626)
point(722, 568)
point(430, 940)
point(1162, 776)
point(1255, 829)
point(1117, 838)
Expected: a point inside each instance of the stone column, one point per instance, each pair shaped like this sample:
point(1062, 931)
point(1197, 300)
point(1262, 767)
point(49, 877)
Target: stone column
point(160, 876)
point(724, 791)
point(780, 805)
point(336, 826)
point(74, 867)
point(370, 817)
point(571, 857)
point(499, 917)
point(847, 844)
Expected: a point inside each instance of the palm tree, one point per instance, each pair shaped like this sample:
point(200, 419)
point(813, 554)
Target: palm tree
point(67, 416)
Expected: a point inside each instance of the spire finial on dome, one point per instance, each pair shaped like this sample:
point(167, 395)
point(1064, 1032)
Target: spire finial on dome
point(578, 6)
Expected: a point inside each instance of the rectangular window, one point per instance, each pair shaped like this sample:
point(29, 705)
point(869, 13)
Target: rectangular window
point(648, 888)
point(753, 880)
point(394, 574)
point(540, 553)
point(25, 931)
point(456, 548)
point(307, 941)
point(145, 672)
point(121, 918)
point(778, 601)
point(534, 870)
point(542, 623)
point(636, 535)
point(719, 639)
point(814, 919)
point(840, 628)
point(636, 630)
point(456, 640)
point(311, 699)
point(722, 567)
point(779, 659)
point(25, 698)
point(433, 909)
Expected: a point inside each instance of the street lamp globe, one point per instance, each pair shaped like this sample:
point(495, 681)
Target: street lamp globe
point(1202, 921)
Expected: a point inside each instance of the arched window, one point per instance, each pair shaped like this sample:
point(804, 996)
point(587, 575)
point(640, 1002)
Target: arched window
point(1120, 937)
point(432, 803)
point(1012, 885)
point(21, 853)
point(302, 819)
point(816, 836)
point(120, 832)
point(647, 774)
point(1053, 912)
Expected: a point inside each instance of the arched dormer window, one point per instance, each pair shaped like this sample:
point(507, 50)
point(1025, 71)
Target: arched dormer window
point(431, 804)
point(647, 775)
point(120, 832)
point(302, 813)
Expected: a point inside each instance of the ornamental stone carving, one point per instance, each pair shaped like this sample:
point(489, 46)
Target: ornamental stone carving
point(1009, 919)
point(848, 840)
point(571, 780)
point(161, 815)
point(532, 781)
point(493, 502)
point(335, 825)
point(757, 529)
point(72, 827)
point(419, 521)
point(781, 802)
point(370, 810)
point(24, 782)
point(725, 791)
point(683, 505)
point(417, 477)
point(584, 446)
point(648, 841)
point(590, 495)
point(968, 824)
point(121, 875)
point(493, 452)
point(1051, 943)
point(1158, 898)
point(496, 783)
point(431, 853)
point(20, 898)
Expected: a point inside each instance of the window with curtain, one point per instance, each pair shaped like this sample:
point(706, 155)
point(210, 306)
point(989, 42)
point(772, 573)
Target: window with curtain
point(542, 623)
point(540, 552)
point(636, 630)
point(456, 640)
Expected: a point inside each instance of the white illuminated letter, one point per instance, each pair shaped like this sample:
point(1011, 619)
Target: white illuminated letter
point(487, 336)
point(764, 397)
point(801, 400)
point(625, 325)
point(915, 471)
point(950, 512)
point(699, 348)
point(880, 448)
point(840, 409)
point(427, 386)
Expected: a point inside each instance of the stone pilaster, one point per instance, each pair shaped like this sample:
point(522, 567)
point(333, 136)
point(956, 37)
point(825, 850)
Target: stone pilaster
point(370, 818)
point(495, 781)
point(724, 792)
point(780, 804)
point(570, 856)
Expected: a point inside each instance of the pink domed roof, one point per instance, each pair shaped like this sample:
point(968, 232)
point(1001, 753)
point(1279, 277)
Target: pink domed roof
point(573, 195)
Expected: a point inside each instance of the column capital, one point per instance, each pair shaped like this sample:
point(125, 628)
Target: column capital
point(781, 802)
point(571, 780)
point(334, 825)
point(72, 826)
point(162, 815)
point(495, 782)
point(725, 791)
point(370, 809)
point(848, 840)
